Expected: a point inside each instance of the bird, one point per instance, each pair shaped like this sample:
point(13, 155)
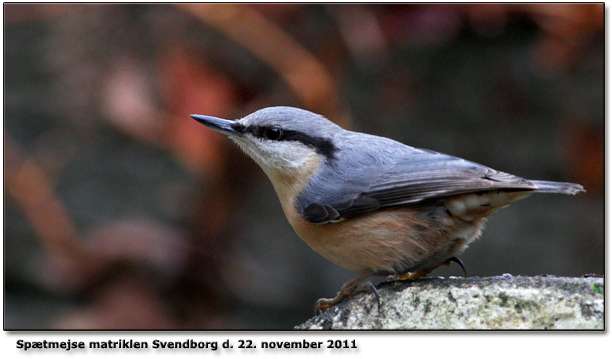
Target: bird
point(371, 204)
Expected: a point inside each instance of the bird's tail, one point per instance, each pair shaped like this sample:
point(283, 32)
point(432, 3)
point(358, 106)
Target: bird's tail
point(558, 187)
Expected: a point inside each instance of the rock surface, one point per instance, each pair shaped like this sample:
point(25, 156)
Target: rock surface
point(504, 303)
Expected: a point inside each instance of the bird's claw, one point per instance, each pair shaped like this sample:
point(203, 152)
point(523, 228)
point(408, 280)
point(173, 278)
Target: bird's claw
point(369, 287)
point(459, 262)
point(375, 291)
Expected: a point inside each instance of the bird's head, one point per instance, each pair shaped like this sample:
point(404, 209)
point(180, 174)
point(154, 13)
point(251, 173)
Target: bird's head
point(282, 140)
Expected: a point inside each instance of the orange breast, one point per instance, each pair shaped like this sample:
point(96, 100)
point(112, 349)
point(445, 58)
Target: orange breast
point(381, 241)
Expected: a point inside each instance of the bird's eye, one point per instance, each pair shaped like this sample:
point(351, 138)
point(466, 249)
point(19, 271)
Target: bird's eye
point(273, 133)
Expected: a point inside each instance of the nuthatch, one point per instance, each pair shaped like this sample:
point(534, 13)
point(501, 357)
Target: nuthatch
point(370, 204)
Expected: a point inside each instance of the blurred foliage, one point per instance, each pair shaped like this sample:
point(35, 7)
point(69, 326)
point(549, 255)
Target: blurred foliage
point(123, 213)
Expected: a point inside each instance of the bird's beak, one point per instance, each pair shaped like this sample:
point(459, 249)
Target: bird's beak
point(217, 124)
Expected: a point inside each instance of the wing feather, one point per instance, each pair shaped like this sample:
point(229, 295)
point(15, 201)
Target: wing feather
point(423, 175)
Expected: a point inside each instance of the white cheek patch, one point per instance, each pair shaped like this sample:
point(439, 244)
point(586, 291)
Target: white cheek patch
point(286, 156)
point(289, 155)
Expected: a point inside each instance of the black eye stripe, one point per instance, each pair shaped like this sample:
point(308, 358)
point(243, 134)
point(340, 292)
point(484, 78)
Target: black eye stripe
point(319, 144)
point(238, 127)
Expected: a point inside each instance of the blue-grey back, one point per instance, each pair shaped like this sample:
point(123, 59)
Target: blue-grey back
point(368, 172)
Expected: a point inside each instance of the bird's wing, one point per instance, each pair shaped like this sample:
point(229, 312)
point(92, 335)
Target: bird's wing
point(421, 176)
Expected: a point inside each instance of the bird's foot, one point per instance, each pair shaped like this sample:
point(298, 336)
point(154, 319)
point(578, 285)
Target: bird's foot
point(324, 304)
point(348, 290)
point(408, 275)
point(423, 273)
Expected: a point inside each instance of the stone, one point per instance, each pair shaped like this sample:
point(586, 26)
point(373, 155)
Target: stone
point(503, 302)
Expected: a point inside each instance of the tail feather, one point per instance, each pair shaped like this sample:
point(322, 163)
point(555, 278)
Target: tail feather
point(558, 187)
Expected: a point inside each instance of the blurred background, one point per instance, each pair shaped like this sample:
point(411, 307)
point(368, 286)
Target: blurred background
point(121, 212)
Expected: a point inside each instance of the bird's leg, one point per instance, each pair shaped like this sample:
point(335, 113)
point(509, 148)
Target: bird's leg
point(423, 273)
point(348, 290)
